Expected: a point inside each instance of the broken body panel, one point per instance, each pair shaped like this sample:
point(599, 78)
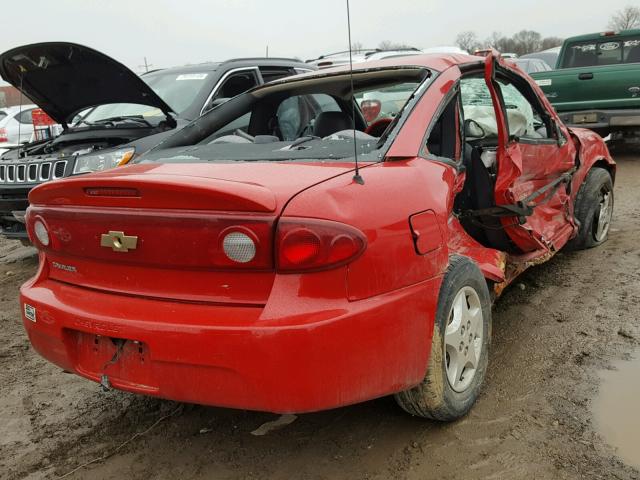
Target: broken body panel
point(256, 335)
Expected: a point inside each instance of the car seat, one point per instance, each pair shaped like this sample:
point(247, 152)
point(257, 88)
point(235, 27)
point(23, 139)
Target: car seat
point(328, 123)
point(478, 194)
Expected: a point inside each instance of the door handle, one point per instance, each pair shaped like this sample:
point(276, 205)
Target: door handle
point(635, 91)
point(585, 76)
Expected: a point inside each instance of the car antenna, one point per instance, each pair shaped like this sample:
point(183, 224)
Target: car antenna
point(356, 177)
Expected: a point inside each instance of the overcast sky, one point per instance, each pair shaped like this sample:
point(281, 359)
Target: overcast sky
point(176, 32)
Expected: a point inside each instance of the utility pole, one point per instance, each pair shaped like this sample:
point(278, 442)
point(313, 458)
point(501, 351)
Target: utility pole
point(146, 65)
point(267, 52)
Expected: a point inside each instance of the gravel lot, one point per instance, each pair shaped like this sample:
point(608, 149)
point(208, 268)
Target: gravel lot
point(553, 332)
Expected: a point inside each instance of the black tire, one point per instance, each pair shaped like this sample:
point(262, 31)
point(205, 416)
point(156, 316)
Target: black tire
point(587, 209)
point(435, 398)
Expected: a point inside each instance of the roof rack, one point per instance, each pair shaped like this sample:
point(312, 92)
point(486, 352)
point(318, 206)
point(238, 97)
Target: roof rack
point(361, 50)
point(244, 59)
point(365, 51)
point(405, 49)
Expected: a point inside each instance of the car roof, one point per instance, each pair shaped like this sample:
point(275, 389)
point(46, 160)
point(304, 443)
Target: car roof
point(603, 35)
point(549, 51)
point(16, 108)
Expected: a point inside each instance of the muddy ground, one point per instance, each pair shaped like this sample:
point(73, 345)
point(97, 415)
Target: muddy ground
point(552, 333)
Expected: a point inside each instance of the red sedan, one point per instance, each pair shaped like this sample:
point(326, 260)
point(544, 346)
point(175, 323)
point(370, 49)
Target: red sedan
point(246, 263)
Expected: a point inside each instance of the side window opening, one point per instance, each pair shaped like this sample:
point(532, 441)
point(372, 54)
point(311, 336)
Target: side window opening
point(444, 138)
point(524, 119)
point(477, 107)
point(269, 74)
point(25, 117)
point(233, 85)
point(236, 84)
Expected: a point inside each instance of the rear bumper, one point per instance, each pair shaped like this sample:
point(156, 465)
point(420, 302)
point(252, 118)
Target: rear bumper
point(606, 120)
point(239, 357)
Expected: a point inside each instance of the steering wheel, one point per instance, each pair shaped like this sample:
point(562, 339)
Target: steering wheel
point(377, 128)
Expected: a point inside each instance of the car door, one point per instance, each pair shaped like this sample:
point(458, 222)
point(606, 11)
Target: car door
point(535, 162)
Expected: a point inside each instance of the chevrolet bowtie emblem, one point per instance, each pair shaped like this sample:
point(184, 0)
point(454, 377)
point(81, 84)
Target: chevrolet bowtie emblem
point(118, 241)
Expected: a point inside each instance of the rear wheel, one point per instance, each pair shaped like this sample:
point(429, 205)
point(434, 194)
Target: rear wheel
point(459, 347)
point(593, 209)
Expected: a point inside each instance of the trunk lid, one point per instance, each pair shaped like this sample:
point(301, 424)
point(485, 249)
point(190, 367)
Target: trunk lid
point(170, 221)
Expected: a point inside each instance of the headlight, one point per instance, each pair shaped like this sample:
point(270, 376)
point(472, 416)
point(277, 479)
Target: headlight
point(102, 160)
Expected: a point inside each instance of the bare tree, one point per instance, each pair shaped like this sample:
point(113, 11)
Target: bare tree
point(527, 41)
point(468, 41)
point(500, 42)
point(493, 40)
point(389, 45)
point(357, 47)
point(523, 42)
point(550, 42)
point(625, 19)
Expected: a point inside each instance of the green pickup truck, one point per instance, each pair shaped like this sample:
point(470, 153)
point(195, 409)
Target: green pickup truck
point(596, 83)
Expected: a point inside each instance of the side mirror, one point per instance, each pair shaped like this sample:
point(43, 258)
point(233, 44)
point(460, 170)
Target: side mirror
point(216, 102)
point(472, 129)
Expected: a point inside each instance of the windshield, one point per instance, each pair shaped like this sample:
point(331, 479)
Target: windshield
point(178, 90)
point(602, 52)
point(309, 119)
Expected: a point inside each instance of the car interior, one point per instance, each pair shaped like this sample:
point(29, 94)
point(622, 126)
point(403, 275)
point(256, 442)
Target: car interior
point(466, 133)
point(313, 108)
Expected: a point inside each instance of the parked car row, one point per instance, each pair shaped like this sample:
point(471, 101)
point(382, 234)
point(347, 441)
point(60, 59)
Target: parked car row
point(311, 242)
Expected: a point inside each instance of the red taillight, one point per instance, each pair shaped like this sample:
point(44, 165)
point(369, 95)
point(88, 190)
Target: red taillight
point(370, 109)
point(3, 135)
point(309, 244)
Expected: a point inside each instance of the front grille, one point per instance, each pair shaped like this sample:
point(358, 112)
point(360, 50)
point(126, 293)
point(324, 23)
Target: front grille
point(58, 169)
point(34, 172)
point(45, 171)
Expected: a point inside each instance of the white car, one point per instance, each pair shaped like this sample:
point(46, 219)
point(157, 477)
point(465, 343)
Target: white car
point(16, 125)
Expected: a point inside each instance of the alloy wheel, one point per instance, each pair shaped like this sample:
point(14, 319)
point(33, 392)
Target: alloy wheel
point(463, 339)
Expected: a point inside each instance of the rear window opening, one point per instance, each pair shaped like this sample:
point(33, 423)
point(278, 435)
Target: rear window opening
point(309, 118)
point(607, 51)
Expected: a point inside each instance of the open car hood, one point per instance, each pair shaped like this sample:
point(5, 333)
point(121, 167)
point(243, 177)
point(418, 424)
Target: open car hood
point(64, 78)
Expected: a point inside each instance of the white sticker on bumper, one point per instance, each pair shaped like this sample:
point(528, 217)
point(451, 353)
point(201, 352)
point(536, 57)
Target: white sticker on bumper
point(30, 312)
